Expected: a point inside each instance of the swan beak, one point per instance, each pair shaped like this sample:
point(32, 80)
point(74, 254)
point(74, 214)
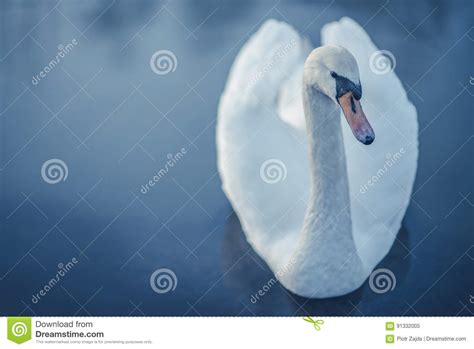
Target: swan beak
point(356, 118)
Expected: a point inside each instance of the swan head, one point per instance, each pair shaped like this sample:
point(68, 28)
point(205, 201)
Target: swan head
point(333, 71)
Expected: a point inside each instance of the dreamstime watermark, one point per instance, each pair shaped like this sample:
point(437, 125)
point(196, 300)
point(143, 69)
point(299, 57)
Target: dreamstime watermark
point(63, 51)
point(173, 159)
point(54, 171)
point(63, 269)
point(273, 171)
point(382, 281)
point(382, 62)
point(19, 329)
point(391, 160)
point(163, 280)
point(277, 57)
point(254, 298)
point(163, 62)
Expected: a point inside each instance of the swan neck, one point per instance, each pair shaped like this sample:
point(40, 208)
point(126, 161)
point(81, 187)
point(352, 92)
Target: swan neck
point(329, 183)
point(327, 220)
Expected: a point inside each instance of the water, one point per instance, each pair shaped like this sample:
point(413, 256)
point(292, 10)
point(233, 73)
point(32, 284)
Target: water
point(115, 124)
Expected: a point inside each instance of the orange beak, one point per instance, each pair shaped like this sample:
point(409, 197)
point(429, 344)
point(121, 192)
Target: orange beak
point(356, 118)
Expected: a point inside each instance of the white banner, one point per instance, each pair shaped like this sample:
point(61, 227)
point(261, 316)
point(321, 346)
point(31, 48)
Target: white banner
point(238, 332)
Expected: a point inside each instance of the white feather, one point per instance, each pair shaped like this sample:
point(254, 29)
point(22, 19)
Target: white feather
point(261, 120)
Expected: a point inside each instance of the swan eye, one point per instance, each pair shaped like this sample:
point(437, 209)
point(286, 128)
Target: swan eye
point(344, 85)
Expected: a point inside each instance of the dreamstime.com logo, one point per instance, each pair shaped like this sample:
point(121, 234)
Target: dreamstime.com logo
point(382, 281)
point(163, 62)
point(273, 171)
point(19, 329)
point(277, 57)
point(54, 171)
point(163, 280)
point(382, 62)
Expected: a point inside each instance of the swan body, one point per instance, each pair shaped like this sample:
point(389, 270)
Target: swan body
point(321, 208)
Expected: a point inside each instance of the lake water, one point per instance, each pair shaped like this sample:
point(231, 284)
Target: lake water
point(115, 124)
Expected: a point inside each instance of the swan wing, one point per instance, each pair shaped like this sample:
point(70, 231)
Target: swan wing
point(381, 175)
point(262, 161)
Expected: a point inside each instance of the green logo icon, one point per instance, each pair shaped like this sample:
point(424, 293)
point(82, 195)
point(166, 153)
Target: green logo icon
point(389, 339)
point(389, 326)
point(316, 323)
point(19, 329)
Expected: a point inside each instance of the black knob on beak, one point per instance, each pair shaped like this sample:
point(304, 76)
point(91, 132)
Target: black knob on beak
point(368, 140)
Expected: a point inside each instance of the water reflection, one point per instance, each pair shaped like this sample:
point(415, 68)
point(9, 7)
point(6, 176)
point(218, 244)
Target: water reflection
point(251, 274)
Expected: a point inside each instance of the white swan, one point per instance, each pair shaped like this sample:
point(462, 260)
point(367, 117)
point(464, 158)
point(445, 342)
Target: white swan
point(321, 208)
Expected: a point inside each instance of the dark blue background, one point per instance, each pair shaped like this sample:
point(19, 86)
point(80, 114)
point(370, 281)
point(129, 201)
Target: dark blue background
point(185, 223)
